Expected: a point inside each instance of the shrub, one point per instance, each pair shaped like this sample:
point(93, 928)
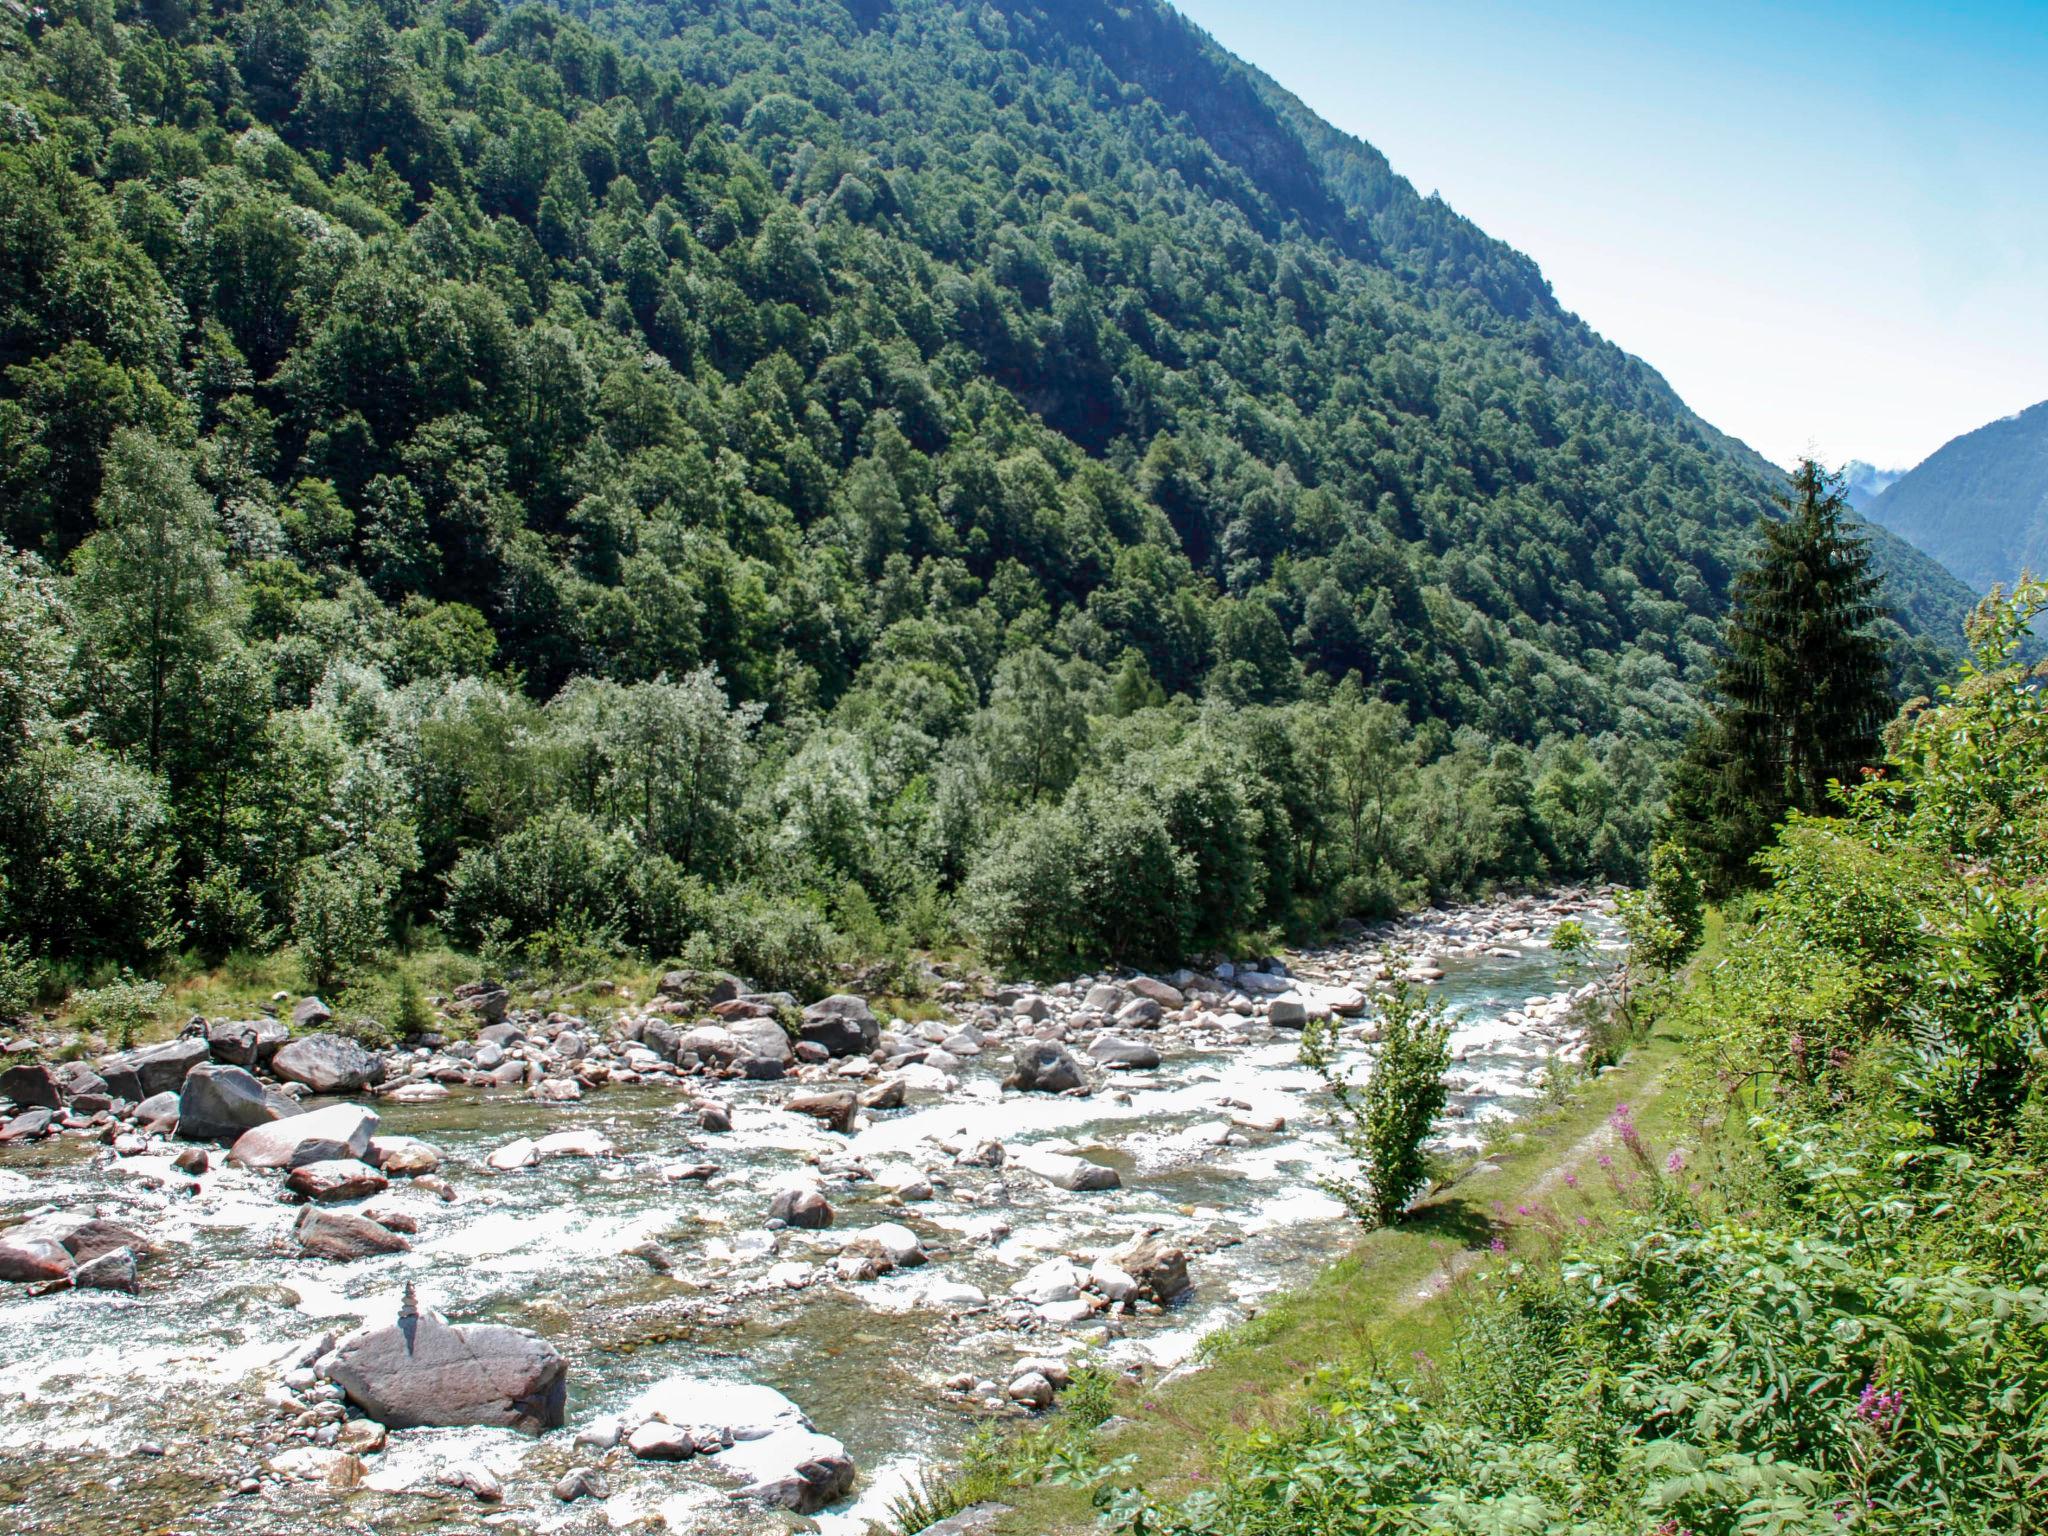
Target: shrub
point(560, 868)
point(226, 915)
point(1384, 1123)
point(1664, 921)
point(1020, 900)
point(21, 979)
point(119, 1011)
point(781, 945)
point(339, 913)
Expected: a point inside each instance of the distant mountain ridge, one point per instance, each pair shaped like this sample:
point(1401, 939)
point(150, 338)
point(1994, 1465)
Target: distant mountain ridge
point(1979, 505)
point(1863, 483)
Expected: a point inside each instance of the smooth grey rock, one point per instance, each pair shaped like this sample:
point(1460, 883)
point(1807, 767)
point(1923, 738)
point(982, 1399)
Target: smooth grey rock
point(339, 1236)
point(1117, 1052)
point(111, 1271)
point(310, 1013)
point(1075, 1174)
point(245, 1042)
point(656, 1441)
point(1140, 1013)
point(32, 1087)
point(801, 1208)
point(1045, 1067)
point(423, 1371)
point(337, 1130)
point(1160, 992)
point(220, 1103)
point(1105, 997)
point(843, 1024)
point(1286, 1013)
point(336, 1178)
point(328, 1064)
point(151, 1069)
point(27, 1125)
point(158, 1106)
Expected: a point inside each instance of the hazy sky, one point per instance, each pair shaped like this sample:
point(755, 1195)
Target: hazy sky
point(1825, 223)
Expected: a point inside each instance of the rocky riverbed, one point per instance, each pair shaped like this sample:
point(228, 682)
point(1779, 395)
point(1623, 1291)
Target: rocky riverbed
point(713, 1262)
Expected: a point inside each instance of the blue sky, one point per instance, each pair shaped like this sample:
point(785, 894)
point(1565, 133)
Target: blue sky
point(1825, 223)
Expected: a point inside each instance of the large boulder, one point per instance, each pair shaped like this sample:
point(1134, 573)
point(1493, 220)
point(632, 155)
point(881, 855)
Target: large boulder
point(664, 1037)
point(1042, 1066)
point(339, 1236)
point(1117, 1053)
point(75, 1080)
point(220, 1103)
point(245, 1042)
point(1164, 995)
point(802, 1207)
point(81, 1235)
point(1075, 1174)
point(152, 1069)
point(1287, 1012)
point(422, 1371)
point(335, 1178)
point(836, 1108)
point(764, 1050)
point(33, 1260)
point(762, 1435)
point(1160, 1270)
point(1140, 1013)
point(338, 1130)
point(843, 1024)
point(31, 1087)
point(28, 1125)
point(328, 1064)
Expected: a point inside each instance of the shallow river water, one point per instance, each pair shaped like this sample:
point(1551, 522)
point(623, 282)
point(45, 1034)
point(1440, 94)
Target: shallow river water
point(87, 1378)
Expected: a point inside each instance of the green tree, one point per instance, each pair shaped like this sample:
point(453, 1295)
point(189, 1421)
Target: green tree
point(1802, 691)
point(1035, 730)
point(149, 588)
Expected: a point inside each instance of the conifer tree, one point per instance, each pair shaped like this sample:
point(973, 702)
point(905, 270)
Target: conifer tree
point(1801, 692)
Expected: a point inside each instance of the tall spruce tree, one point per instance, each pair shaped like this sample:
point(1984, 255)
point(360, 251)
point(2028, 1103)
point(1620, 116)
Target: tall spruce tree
point(1800, 694)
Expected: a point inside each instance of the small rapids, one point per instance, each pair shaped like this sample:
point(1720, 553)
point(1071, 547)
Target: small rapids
point(164, 1410)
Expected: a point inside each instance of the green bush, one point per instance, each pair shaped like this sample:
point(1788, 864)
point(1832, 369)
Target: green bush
point(1665, 919)
point(1385, 1122)
point(121, 1011)
point(778, 943)
point(340, 907)
point(21, 979)
point(561, 868)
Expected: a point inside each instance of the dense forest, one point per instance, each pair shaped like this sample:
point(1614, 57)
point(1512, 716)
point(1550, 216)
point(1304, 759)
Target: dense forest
point(790, 479)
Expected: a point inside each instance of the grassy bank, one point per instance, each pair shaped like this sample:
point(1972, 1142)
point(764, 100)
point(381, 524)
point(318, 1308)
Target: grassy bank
point(1391, 1305)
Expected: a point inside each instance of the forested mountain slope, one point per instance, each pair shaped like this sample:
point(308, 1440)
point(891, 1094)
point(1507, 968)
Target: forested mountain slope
point(940, 388)
point(1979, 504)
